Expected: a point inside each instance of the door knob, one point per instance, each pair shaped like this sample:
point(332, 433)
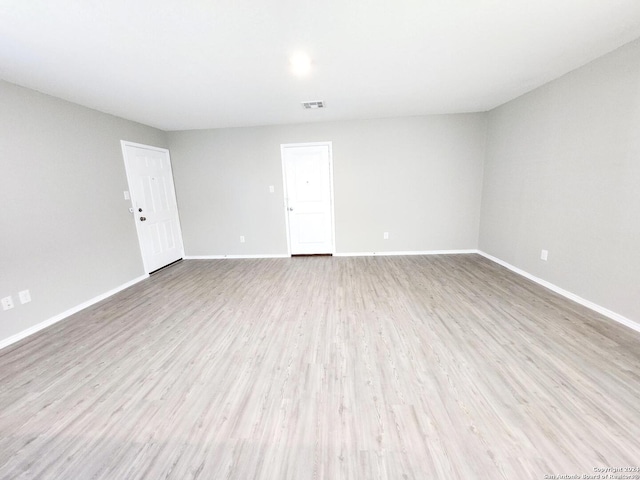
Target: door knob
point(140, 210)
point(143, 219)
point(290, 209)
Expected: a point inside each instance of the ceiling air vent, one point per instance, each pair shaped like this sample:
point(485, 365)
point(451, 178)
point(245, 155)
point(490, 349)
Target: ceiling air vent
point(315, 104)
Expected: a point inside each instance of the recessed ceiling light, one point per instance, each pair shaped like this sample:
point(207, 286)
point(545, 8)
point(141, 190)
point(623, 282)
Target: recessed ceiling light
point(300, 63)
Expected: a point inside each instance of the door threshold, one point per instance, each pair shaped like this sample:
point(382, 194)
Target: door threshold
point(312, 254)
point(166, 266)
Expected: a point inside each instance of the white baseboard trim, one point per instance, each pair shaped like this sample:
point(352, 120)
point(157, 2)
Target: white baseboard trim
point(413, 252)
point(342, 254)
point(61, 316)
point(222, 257)
point(571, 296)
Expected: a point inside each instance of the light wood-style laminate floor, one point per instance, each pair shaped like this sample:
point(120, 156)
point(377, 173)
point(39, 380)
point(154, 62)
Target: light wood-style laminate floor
point(382, 367)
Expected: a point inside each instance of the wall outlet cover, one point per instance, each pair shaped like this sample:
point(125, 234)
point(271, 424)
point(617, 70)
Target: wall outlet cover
point(7, 303)
point(544, 255)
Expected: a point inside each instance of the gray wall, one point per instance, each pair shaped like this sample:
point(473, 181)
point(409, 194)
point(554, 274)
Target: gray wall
point(65, 230)
point(562, 173)
point(418, 178)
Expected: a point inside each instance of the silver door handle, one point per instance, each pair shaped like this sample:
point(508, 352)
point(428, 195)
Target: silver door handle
point(290, 209)
point(143, 219)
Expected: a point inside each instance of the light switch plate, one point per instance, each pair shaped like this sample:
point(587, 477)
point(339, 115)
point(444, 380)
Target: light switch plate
point(25, 296)
point(126, 195)
point(271, 189)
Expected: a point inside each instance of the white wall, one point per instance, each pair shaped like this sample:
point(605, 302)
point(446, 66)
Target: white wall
point(418, 178)
point(562, 173)
point(66, 233)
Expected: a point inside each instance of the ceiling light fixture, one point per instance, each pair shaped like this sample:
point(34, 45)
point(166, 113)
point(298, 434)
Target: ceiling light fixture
point(300, 63)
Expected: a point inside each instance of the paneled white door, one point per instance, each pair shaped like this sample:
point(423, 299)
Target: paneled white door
point(155, 209)
point(308, 172)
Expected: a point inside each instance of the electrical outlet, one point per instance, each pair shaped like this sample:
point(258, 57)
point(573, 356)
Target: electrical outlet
point(241, 238)
point(385, 235)
point(7, 303)
point(271, 189)
point(544, 254)
point(25, 296)
point(126, 195)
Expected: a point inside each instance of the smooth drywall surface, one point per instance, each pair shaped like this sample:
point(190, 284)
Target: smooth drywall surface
point(562, 173)
point(65, 230)
point(418, 178)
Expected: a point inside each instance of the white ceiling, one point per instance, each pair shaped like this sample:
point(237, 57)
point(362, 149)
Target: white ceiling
point(196, 64)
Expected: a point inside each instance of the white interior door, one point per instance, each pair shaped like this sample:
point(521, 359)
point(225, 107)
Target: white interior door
point(154, 204)
point(308, 183)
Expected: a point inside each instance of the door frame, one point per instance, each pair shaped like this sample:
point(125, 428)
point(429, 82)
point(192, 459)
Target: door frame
point(329, 145)
point(124, 144)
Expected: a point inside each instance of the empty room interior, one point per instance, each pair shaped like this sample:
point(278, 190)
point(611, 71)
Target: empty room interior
point(325, 240)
